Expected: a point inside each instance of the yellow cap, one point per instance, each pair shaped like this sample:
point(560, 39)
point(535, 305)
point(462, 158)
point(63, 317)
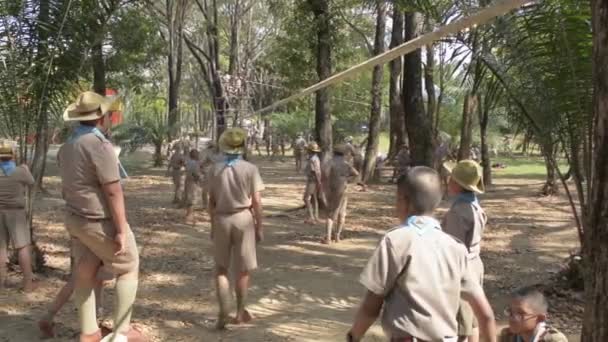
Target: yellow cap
point(232, 141)
point(468, 174)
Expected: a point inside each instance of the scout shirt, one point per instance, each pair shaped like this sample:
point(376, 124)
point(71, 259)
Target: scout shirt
point(542, 333)
point(13, 181)
point(313, 169)
point(403, 162)
point(86, 163)
point(232, 182)
point(466, 221)
point(422, 273)
point(337, 172)
point(300, 144)
point(177, 160)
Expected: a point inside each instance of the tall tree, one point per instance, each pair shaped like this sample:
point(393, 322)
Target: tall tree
point(397, 119)
point(595, 325)
point(417, 122)
point(322, 15)
point(176, 14)
point(373, 136)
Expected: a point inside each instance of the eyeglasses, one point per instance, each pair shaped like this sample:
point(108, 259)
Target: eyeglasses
point(518, 316)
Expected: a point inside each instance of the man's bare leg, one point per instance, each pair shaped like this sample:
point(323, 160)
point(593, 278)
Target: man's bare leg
point(341, 220)
point(85, 274)
point(25, 262)
point(329, 227)
point(222, 286)
point(3, 268)
point(315, 202)
point(242, 290)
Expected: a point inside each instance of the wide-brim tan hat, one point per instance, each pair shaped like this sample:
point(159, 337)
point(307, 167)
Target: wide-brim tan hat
point(468, 174)
point(313, 147)
point(91, 106)
point(232, 141)
point(7, 149)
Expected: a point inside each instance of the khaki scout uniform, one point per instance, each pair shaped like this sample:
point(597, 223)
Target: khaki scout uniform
point(338, 172)
point(466, 221)
point(13, 224)
point(544, 334)
point(232, 187)
point(192, 186)
point(311, 193)
point(421, 272)
point(85, 164)
point(175, 168)
point(299, 147)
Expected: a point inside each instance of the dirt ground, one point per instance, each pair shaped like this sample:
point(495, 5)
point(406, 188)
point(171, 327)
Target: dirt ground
point(303, 291)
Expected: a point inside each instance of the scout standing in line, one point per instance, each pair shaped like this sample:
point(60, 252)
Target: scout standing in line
point(466, 221)
point(338, 172)
point(313, 183)
point(276, 148)
point(299, 147)
point(192, 188)
point(528, 319)
point(235, 207)
point(13, 225)
point(96, 218)
point(354, 157)
point(403, 162)
point(208, 159)
point(418, 273)
point(176, 162)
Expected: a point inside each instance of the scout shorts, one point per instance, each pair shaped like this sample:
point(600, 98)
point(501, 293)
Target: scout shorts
point(234, 237)
point(310, 190)
point(176, 175)
point(95, 239)
point(13, 228)
point(192, 193)
point(465, 317)
point(337, 207)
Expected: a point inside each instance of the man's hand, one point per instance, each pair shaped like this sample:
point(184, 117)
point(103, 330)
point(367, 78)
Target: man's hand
point(259, 234)
point(120, 240)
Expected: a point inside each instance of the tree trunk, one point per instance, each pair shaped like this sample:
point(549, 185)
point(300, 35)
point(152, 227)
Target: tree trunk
point(235, 25)
point(483, 109)
point(376, 109)
point(176, 11)
point(466, 128)
point(595, 249)
point(397, 117)
point(158, 154)
point(551, 187)
point(320, 9)
point(99, 68)
point(429, 79)
point(417, 122)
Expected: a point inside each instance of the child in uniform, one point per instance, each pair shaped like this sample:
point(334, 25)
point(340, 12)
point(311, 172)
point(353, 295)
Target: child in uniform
point(192, 186)
point(417, 274)
point(466, 221)
point(313, 183)
point(528, 319)
point(176, 162)
point(338, 172)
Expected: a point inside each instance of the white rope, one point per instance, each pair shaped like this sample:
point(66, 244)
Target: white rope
point(478, 18)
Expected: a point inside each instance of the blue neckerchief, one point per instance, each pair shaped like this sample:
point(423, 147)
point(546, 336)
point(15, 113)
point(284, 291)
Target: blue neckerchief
point(231, 159)
point(81, 130)
point(8, 167)
point(422, 224)
point(467, 197)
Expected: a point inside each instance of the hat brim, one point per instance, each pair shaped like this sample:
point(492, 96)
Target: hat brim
point(6, 154)
point(73, 113)
point(231, 150)
point(479, 188)
point(314, 150)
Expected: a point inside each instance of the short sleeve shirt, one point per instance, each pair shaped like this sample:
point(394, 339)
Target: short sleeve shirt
point(422, 278)
point(466, 222)
point(338, 173)
point(313, 168)
point(85, 165)
point(177, 160)
point(12, 188)
point(233, 186)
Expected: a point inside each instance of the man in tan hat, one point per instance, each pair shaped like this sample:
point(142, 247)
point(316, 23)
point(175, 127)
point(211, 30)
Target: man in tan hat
point(192, 186)
point(174, 169)
point(13, 224)
point(314, 186)
point(96, 217)
point(466, 221)
point(338, 172)
point(235, 207)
